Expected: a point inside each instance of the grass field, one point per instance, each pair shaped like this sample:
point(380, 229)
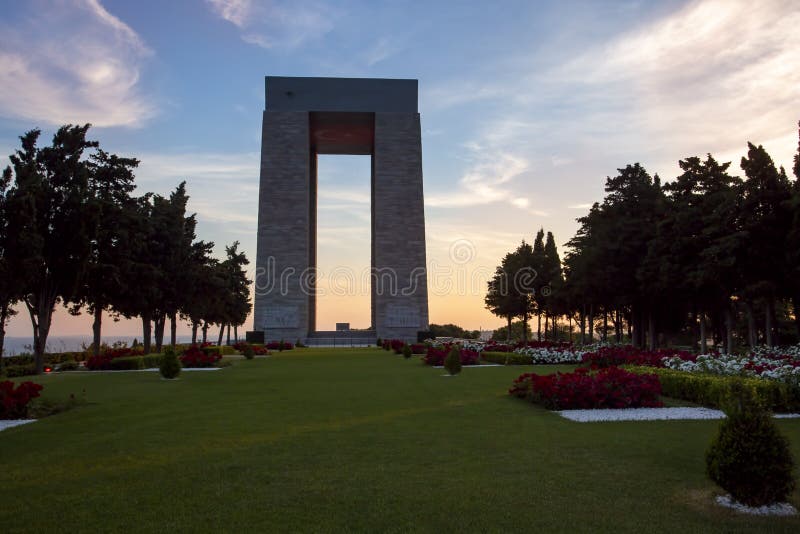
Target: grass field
point(349, 439)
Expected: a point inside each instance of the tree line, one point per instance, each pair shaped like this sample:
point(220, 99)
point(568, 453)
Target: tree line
point(707, 257)
point(73, 233)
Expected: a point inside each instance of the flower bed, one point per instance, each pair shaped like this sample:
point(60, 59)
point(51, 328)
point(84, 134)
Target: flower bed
point(608, 388)
point(14, 400)
point(551, 355)
point(195, 356)
point(607, 356)
point(419, 348)
point(506, 358)
point(258, 350)
point(759, 364)
point(436, 355)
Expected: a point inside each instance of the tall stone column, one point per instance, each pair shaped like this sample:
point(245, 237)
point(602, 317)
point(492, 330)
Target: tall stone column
point(285, 230)
point(399, 282)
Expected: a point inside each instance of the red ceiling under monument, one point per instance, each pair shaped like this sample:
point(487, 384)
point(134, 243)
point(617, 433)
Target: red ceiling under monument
point(342, 132)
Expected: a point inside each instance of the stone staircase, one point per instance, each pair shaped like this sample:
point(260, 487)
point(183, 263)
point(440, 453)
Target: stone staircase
point(349, 338)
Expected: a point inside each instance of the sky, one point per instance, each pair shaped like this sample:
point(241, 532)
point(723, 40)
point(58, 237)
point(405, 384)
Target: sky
point(526, 107)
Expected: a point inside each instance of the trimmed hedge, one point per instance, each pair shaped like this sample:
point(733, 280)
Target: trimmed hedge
point(151, 360)
point(51, 358)
point(506, 358)
point(127, 363)
point(713, 390)
point(14, 371)
point(224, 350)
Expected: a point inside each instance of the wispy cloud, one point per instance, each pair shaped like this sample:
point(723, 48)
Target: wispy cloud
point(223, 187)
point(73, 62)
point(681, 85)
point(236, 12)
point(693, 82)
point(281, 24)
point(380, 50)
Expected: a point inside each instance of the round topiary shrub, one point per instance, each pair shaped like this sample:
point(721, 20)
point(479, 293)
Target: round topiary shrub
point(170, 365)
point(406, 351)
point(749, 457)
point(453, 361)
point(248, 351)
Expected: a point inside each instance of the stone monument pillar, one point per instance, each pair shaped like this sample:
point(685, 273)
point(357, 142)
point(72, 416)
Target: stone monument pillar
point(309, 116)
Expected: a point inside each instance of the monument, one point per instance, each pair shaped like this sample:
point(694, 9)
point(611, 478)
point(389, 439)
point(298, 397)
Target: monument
point(304, 117)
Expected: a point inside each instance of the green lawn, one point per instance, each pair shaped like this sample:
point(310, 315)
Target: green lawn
point(349, 439)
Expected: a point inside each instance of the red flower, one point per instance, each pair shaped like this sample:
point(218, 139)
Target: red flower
point(14, 402)
point(609, 388)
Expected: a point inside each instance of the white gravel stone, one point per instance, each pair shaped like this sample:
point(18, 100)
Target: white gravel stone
point(648, 414)
point(11, 423)
point(780, 508)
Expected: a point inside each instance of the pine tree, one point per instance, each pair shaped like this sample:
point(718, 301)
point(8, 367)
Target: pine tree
point(764, 219)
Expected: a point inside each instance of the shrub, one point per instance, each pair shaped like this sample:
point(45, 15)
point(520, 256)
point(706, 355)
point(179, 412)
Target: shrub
point(609, 388)
point(453, 361)
point(247, 351)
point(397, 345)
point(379, 343)
point(387, 345)
point(507, 358)
point(15, 371)
point(170, 367)
point(127, 363)
point(712, 390)
point(749, 457)
point(194, 356)
point(69, 365)
point(14, 401)
point(406, 351)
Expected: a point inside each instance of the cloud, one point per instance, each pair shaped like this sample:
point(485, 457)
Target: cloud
point(280, 24)
point(234, 11)
point(705, 78)
point(256, 39)
point(223, 187)
point(380, 50)
point(73, 62)
point(498, 167)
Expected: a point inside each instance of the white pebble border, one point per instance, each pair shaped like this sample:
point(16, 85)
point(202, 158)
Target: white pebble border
point(648, 414)
point(780, 508)
point(11, 423)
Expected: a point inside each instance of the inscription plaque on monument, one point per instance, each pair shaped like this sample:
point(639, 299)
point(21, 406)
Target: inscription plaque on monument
point(280, 317)
point(402, 316)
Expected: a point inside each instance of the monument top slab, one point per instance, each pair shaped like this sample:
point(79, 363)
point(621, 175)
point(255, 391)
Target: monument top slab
point(341, 94)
